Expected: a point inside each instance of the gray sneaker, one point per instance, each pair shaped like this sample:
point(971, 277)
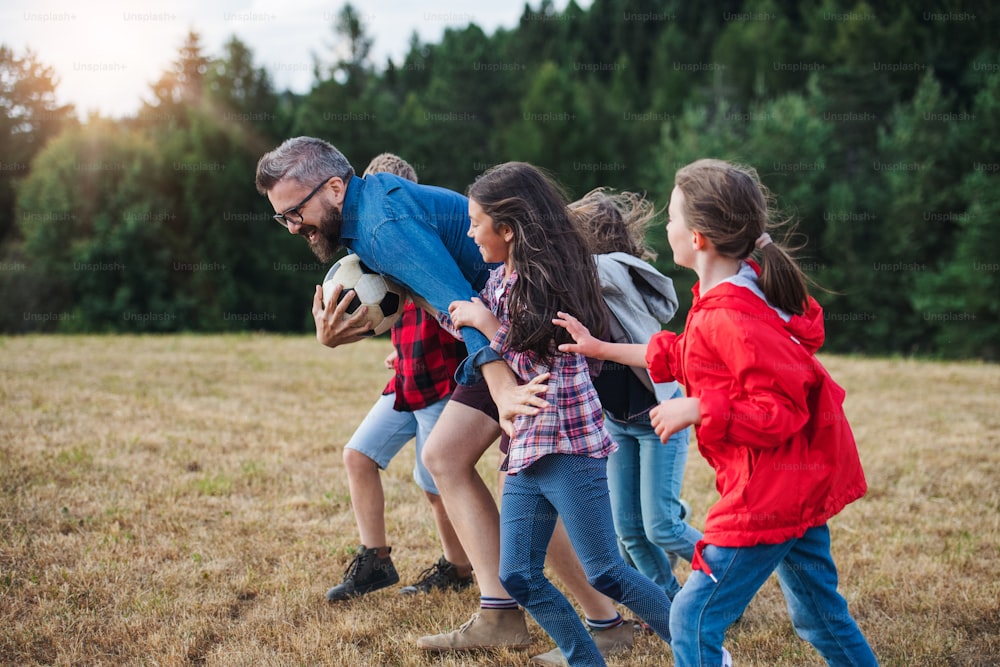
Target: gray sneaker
point(440, 576)
point(370, 570)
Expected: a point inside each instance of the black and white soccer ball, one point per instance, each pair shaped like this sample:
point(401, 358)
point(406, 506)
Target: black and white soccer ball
point(384, 298)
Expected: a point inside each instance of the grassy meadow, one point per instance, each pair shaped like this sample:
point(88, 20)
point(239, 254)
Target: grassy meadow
point(181, 500)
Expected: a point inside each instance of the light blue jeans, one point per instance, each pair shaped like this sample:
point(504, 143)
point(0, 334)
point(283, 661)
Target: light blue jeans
point(644, 478)
point(704, 609)
point(575, 488)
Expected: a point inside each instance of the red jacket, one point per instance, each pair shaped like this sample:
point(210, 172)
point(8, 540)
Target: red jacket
point(772, 418)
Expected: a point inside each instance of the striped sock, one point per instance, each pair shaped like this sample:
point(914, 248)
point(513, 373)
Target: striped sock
point(606, 625)
point(497, 603)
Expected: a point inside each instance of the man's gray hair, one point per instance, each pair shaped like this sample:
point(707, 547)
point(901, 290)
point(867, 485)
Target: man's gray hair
point(305, 160)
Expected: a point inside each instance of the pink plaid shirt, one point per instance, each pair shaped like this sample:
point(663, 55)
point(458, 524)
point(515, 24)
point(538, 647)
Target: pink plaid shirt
point(574, 421)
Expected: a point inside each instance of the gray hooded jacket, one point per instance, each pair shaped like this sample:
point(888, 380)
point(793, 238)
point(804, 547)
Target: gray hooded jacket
point(641, 300)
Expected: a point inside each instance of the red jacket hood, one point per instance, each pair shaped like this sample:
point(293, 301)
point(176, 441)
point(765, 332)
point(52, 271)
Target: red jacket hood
point(808, 328)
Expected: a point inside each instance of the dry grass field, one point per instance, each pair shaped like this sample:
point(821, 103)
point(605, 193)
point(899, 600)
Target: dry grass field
point(180, 500)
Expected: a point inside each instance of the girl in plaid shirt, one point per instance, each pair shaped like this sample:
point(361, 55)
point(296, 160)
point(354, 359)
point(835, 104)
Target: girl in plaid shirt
point(557, 460)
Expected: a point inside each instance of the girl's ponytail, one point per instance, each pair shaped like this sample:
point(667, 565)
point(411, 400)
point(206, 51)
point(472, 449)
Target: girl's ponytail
point(781, 279)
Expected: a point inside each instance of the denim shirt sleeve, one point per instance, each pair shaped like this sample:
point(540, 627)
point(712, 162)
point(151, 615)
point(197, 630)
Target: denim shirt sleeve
point(468, 371)
point(416, 256)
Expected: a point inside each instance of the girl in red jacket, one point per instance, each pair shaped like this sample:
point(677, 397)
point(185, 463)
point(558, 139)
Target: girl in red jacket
point(767, 415)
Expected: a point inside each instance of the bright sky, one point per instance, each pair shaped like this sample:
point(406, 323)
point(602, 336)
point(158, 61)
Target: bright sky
point(106, 53)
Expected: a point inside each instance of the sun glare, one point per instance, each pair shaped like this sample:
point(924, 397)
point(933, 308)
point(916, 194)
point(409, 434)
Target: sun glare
point(105, 57)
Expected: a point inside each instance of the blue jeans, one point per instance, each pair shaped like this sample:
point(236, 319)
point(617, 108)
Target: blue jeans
point(575, 488)
point(704, 609)
point(644, 477)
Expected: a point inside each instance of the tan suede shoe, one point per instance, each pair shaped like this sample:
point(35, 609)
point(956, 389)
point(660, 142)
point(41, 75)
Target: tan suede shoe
point(488, 628)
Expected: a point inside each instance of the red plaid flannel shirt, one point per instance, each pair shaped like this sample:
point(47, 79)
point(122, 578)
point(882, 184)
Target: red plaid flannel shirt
point(427, 359)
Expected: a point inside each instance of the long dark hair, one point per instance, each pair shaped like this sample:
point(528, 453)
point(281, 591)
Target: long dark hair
point(555, 270)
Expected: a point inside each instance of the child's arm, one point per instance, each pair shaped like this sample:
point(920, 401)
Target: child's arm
point(475, 314)
point(771, 403)
point(588, 346)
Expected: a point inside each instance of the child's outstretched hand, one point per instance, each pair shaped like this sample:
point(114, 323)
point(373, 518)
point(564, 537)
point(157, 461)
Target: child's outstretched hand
point(585, 344)
point(673, 415)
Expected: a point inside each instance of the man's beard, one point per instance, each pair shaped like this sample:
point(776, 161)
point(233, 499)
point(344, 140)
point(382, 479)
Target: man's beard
point(327, 241)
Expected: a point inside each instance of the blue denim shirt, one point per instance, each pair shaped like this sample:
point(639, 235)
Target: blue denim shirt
point(417, 235)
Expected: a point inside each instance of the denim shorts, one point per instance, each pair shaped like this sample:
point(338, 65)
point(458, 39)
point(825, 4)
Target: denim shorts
point(385, 430)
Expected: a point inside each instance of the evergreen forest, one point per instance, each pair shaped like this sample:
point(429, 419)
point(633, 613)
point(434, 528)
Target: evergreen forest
point(875, 126)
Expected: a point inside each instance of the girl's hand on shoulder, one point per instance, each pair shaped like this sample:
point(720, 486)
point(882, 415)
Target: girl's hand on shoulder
point(674, 415)
point(585, 344)
point(471, 313)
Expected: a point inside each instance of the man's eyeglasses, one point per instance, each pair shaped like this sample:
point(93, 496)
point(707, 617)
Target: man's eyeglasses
point(292, 215)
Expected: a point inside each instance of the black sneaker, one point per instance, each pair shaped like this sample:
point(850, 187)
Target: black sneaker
point(366, 573)
point(441, 576)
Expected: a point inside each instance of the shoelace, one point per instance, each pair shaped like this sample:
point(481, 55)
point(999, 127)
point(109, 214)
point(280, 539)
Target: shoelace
point(468, 623)
point(431, 576)
point(353, 567)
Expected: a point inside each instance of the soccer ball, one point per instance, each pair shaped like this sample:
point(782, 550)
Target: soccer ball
point(384, 298)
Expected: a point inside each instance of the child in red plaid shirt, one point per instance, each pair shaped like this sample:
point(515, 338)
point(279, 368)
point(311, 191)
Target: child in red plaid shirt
point(424, 360)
